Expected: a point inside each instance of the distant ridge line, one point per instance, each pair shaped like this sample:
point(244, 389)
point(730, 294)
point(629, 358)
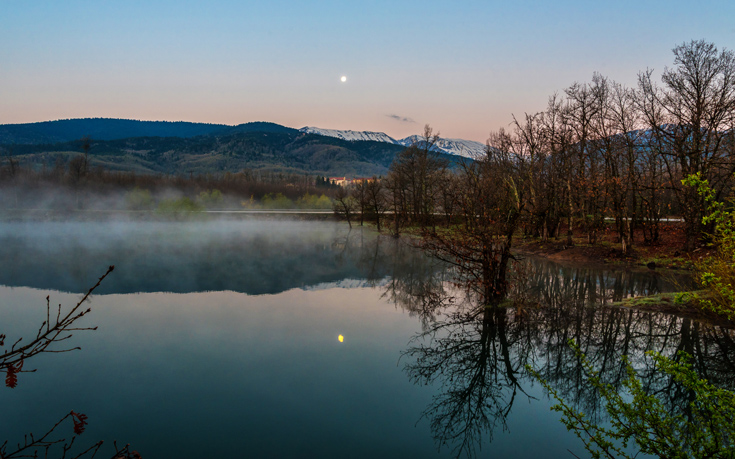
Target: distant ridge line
point(106, 129)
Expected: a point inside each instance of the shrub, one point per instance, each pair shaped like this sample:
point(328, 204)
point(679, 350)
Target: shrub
point(279, 201)
point(211, 199)
point(716, 273)
point(139, 199)
point(311, 201)
point(179, 206)
point(705, 431)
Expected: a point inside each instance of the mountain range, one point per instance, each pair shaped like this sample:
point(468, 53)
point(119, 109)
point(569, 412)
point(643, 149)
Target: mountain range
point(184, 147)
point(460, 147)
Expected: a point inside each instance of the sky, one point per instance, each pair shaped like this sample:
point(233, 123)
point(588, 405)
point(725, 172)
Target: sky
point(465, 67)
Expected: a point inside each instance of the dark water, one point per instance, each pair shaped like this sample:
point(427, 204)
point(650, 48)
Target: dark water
point(220, 339)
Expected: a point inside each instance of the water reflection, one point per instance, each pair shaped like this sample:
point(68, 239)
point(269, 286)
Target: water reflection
point(289, 369)
point(259, 377)
point(249, 256)
point(476, 356)
point(474, 363)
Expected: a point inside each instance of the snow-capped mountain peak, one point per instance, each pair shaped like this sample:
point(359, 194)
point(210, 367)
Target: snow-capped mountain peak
point(350, 135)
point(460, 147)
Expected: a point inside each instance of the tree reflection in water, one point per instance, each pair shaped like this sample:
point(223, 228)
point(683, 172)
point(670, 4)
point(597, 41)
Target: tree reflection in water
point(470, 356)
point(477, 355)
point(409, 277)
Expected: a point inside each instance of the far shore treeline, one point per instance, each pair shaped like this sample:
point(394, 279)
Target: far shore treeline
point(75, 186)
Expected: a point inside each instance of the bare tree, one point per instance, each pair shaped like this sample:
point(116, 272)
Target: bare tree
point(344, 205)
point(625, 120)
point(529, 146)
point(691, 119)
point(583, 106)
point(416, 176)
point(359, 194)
point(492, 201)
point(376, 200)
point(449, 194)
point(559, 135)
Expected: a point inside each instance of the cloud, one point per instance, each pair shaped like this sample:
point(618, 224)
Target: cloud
point(402, 119)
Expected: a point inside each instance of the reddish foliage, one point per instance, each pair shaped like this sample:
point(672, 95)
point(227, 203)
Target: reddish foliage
point(11, 379)
point(80, 422)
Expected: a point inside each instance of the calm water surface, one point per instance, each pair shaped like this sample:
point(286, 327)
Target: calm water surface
point(220, 339)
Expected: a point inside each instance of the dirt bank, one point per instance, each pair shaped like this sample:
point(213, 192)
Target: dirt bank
point(666, 252)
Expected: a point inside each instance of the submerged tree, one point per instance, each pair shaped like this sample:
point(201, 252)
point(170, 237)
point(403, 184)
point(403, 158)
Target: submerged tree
point(344, 205)
point(375, 197)
point(490, 204)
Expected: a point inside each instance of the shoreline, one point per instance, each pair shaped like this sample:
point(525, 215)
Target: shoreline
point(670, 303)
point(665, 255)
point(682, 304)
point(35, 215)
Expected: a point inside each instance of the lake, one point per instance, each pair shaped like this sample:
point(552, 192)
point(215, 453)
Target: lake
point(222, 339)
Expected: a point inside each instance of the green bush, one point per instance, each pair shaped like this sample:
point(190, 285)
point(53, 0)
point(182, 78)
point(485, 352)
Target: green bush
point(323, 202)
point(311, 201)
point(179, 206)
point(716, 274)
point(210, 199)
point(279, 201)
point(707, 431)
point(139, 200)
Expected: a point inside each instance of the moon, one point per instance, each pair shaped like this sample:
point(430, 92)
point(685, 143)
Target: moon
point(343, 79)
point(341, 338)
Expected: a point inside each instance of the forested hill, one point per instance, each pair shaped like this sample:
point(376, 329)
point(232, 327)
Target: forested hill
point(241, 147)
point(49, 132)
point(154, 147)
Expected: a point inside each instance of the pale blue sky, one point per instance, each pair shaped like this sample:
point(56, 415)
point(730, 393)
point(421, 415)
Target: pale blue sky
point(464, 67)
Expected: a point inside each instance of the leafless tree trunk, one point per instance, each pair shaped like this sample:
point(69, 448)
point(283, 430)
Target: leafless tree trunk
point(690, 118)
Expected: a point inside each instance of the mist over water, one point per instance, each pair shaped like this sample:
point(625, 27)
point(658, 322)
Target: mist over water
point(247, 255)
point(220, 339)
